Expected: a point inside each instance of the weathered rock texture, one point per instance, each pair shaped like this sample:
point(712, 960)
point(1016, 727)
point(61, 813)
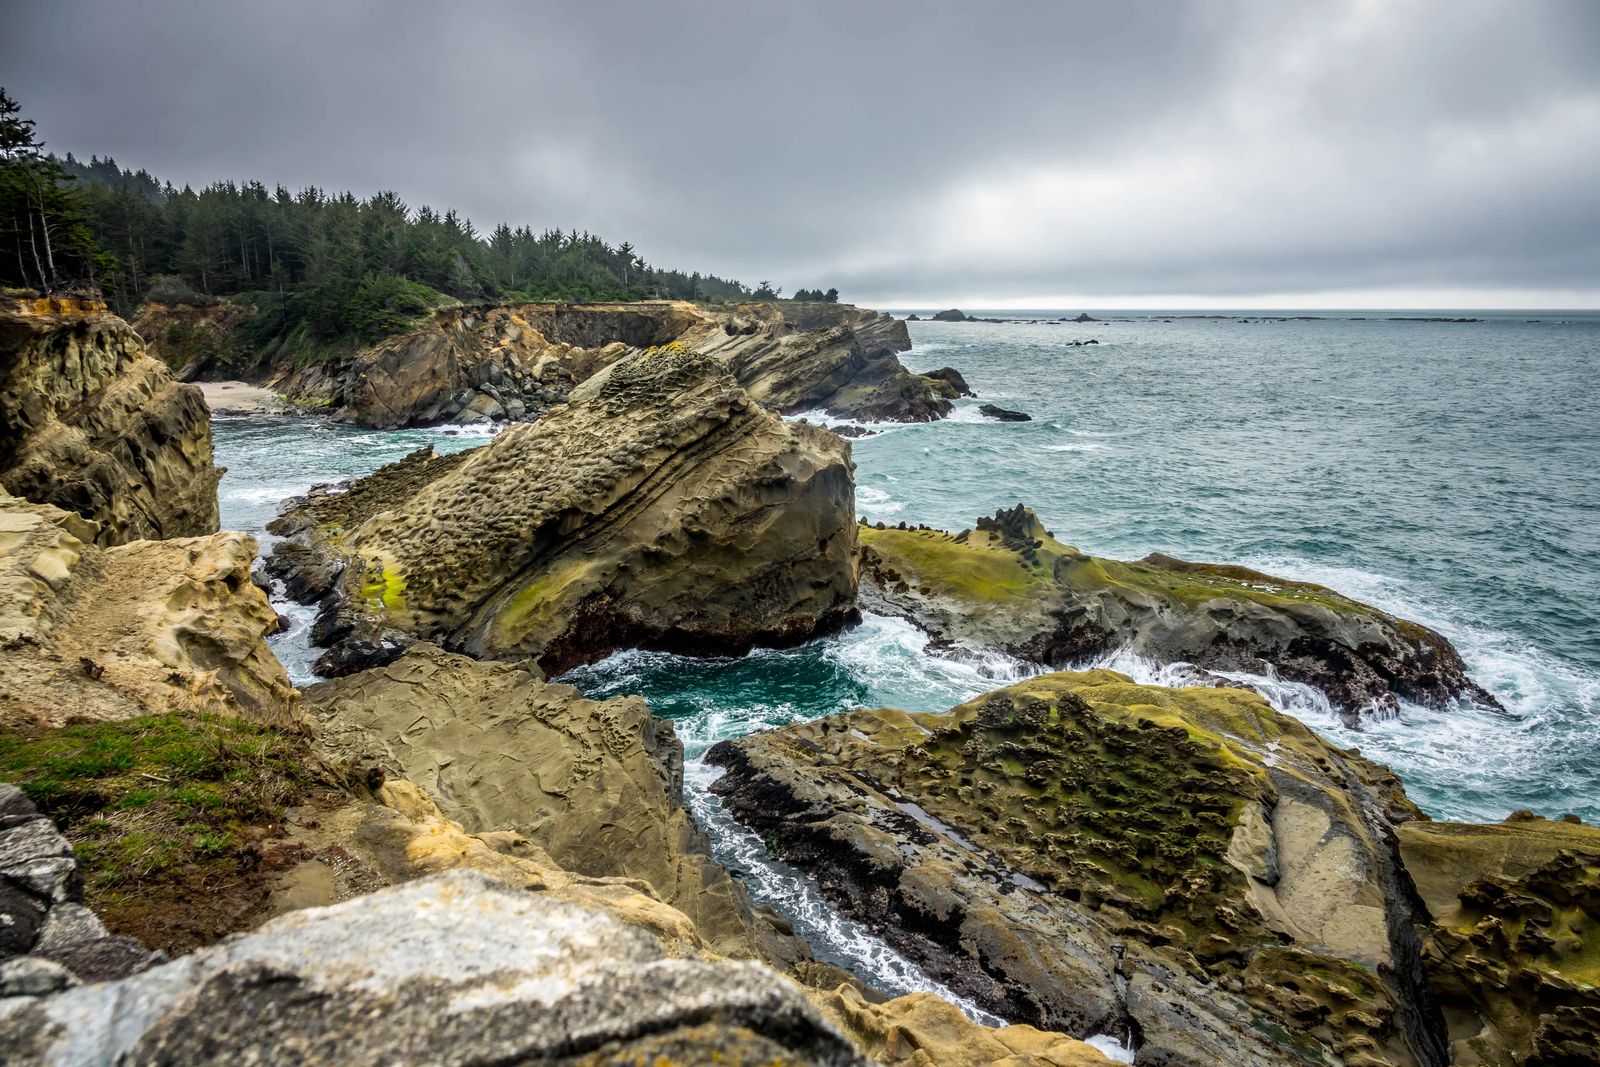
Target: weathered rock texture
point(1513, 948)
point(48, 939)
point(1009, 585)
point(660, 508)
point(598, 785)
point(478, 363)
point(146, 627)
point(91, 423)
point(453, 969)
point(1084, 854)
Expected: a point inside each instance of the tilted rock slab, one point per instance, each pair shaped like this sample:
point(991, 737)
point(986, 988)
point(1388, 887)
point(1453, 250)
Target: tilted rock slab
point(455, 968)
point(91, 423)
point(1088, 855)
point(660, 508)
point(512, 362)
point(1010, 585)
point(596, 784)
point(140, 628)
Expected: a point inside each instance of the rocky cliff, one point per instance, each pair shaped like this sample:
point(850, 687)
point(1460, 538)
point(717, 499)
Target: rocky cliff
point(91, 423)
point(1009, 585)
point(659, 508)
point(1093, 856)
point(511, 362)
point(95, 634)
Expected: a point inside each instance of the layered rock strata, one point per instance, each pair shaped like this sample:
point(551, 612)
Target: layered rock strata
point(512, 362)
point(92, 634)
point(659, 508)
point(1088, 855)
point(1009, 585)
point(91, 423)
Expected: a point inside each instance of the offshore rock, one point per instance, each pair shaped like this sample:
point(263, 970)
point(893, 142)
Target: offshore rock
point(659, 508)
point(948, 383)
point(1088, 855)
point(455, 968)
point(1003, 414)
point(1514, 936)
point(146, 627)
point(1009, 585)
point(91, 423)
point(597, 785)
point(950, 315)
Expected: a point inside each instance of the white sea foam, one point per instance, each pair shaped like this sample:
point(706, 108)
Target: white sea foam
point(876, 501)
point(1110, 1048)
point(1087, 446)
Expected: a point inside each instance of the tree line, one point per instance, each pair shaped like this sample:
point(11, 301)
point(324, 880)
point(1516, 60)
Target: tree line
point(325, 266)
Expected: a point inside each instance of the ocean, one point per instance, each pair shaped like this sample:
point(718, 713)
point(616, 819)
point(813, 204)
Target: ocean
point(1448, 472)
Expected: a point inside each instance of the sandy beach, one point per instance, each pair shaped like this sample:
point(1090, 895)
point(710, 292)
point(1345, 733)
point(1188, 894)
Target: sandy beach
point(240, 397)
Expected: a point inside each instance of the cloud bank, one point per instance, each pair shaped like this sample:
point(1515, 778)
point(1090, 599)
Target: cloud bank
point(1022, 154)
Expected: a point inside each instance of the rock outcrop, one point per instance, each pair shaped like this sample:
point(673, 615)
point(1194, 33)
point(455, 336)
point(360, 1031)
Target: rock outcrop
point(1088, 855)
point(991, 411)
point(90, 633)
point(455, 968)
point(1513, 946)
point(1009, 585)
point(48, 940)
point(659, 508)
point(948, 383)
point(950, 315)
point(467, 363)
point(597, 785)
point(91, 423)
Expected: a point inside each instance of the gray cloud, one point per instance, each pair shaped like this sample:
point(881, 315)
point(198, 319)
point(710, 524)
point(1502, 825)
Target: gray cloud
point(905, 152)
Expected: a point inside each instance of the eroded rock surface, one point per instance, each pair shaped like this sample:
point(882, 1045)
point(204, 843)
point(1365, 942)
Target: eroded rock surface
point(1008, 584)
point(146, 627)
point(454, 968)
point(659, 508)
point(91, 423)
point(513, 362)
point(1513, 946)
point(598, 785)
point(1088, 855)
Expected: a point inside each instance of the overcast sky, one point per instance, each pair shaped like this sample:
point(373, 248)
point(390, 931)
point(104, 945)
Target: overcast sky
point(1005, 154)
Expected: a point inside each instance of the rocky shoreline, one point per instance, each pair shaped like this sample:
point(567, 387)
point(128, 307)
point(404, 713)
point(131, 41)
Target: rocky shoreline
point(441, 855)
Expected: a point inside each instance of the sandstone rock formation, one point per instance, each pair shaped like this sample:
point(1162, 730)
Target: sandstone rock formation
point(1009, 585)
point(455, 969)
point(1513, 946)
point(597, 785)
point(1086, 855)
point(659, 508)
point(91, 423)
point(510, 362)
point(948, 383)
point(150, 626)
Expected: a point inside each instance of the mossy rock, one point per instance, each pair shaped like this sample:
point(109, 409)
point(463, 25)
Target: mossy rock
point(1008, 584)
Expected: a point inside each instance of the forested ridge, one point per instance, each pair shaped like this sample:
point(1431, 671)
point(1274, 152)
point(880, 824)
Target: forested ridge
point(325, 267)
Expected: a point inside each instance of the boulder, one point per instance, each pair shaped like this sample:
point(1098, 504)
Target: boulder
point(1004, 414)
point(1009, 585)
point(1086, 855)
point(597, 785)
point(90, 423)
point(659, 508)
point(454, 968)
point(90, 633)
point(948, 382)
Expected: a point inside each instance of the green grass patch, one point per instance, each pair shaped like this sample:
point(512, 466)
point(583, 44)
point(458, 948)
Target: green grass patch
point(142, 796)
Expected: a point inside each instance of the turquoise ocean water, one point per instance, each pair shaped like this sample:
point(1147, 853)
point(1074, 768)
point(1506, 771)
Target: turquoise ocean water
point(1448, 472)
